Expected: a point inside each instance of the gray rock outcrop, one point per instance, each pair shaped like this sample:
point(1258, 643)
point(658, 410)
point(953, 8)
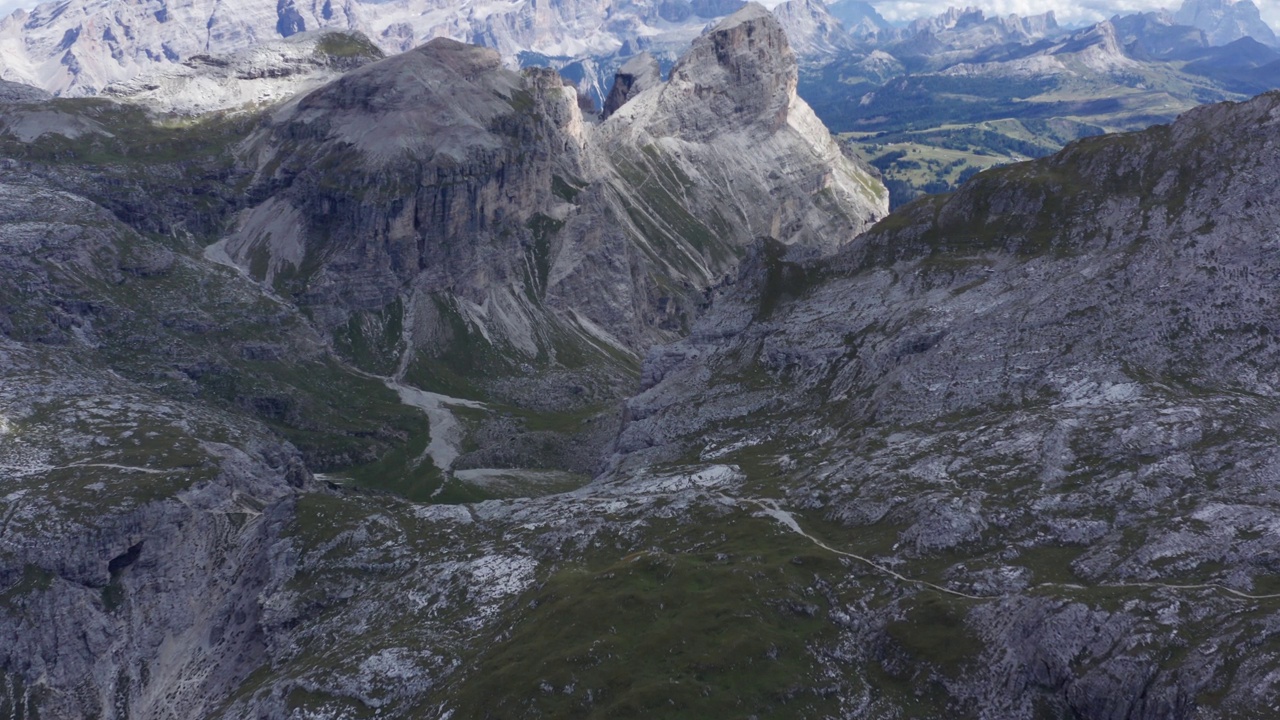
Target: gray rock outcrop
point(1066, 356)
point(742, 73)
point(634, 77)
point(134, 536)
point(474, 207)
point(12, 92)
point(248, 79)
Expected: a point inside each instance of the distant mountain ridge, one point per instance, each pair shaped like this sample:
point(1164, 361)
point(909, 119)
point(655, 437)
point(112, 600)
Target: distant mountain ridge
point(932, 102)
point(1224, 21)
point(78, 47)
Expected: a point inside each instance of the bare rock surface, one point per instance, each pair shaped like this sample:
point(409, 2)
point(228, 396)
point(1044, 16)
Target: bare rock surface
point(86, 46)
point(634, 77)
point(1050, 389)
point(262, 75)
point(476, 207)
point(12, 92)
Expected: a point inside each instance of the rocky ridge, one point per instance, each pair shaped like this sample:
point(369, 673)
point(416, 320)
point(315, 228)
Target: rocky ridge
point(860, 18)
point(1048, 389)
point(164, 393)
point(635, 76)
point(136, 520)
point(570, 236)
point(11, 92)
point(263, 75)
point(1224, 21)
point(1008, 454)
point(82, 47)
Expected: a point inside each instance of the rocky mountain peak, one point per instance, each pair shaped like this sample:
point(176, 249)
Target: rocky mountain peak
point(740, 73)
point(730, 110)
point(1031, 26)
point(952, 19)
point(858, 17)
point(443, 169)
point(634, 77)
point(811, 28)
point(441, 98)
point(1224, 21)
point(467, 60)
point(1098, 47)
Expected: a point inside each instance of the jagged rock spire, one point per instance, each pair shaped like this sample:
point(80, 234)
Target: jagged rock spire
point(741, 73)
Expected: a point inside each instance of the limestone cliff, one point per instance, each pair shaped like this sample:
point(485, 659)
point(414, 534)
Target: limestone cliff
point(476, 210)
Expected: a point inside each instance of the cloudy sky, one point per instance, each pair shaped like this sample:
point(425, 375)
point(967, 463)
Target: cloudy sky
point(1068, 11)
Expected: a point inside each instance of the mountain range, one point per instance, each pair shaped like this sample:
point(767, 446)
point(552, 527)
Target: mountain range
point(982, 90)
point(79, 47)
point(343, 382)
point(932, 103)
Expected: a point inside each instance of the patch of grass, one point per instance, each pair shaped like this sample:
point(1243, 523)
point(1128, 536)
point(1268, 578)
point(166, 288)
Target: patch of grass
point(934, 631)
point(347, 45)
point(564, 189)
point(464, 359)
point(33, 580)
point(260, 259)
point(302, 702)
point(567, 421)
point(371, 340)
point(783, 280)
point(723, 630)
point(405, 469)
point(319, 518)
point(1051, 563)
point(185, 168)
point(113, 594)
point(336, 418)
point(521, 101)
